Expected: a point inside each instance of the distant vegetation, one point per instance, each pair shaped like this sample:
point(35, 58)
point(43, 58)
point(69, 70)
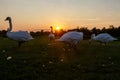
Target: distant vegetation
point(112, 30)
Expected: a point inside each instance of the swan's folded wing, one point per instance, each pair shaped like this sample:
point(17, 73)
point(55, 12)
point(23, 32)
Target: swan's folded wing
point(20, 36)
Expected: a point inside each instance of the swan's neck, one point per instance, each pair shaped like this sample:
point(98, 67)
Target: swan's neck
point(10, 25)
point(51, 30)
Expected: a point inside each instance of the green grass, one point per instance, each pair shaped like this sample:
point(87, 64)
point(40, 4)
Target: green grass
point(36, 60)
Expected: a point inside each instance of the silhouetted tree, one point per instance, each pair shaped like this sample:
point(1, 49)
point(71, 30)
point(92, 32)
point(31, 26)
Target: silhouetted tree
point(3, 33)
point(95, 30)
point(112, 30)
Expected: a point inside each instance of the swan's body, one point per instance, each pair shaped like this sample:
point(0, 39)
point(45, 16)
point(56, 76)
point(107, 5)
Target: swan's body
point(72, 37)
point(19, 36)
point(51, 35)
point(103, 38)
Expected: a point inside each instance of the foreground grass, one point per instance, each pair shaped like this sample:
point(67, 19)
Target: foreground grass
point(41, 59)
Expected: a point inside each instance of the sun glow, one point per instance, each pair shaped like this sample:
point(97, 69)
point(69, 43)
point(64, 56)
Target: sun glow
point(58, 28)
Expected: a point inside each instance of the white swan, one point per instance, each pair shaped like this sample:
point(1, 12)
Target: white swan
point(103, 38)
point(72, 38)
point(19, 36)
point(51, 35)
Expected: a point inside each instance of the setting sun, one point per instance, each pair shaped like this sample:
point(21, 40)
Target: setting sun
point(58, 28)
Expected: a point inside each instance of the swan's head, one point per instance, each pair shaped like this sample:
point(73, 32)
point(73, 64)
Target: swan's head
point(8, 18)
point(51, 27)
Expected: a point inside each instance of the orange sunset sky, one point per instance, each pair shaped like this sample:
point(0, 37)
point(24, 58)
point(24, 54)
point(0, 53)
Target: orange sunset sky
point(41, 14)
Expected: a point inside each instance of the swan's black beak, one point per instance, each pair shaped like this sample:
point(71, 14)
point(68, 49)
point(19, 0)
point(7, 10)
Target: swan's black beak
point(5, 19)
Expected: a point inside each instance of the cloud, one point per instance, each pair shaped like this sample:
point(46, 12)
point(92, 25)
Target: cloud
point(93, 19)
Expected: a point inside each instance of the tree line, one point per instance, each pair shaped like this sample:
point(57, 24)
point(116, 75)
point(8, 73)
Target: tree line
point(112, 30)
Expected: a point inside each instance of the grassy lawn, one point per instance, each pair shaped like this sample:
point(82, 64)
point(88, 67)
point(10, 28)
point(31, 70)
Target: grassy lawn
point(41, 59)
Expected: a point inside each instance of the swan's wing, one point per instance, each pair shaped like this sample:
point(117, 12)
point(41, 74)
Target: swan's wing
point(72, 37)
point(20, 36)
point(25, 34)
point(104, 37)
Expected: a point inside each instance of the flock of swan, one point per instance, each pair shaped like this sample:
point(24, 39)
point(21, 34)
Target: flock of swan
point(71, 37)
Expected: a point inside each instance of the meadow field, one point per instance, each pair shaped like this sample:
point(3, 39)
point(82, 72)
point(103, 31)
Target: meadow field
point(41, 59)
